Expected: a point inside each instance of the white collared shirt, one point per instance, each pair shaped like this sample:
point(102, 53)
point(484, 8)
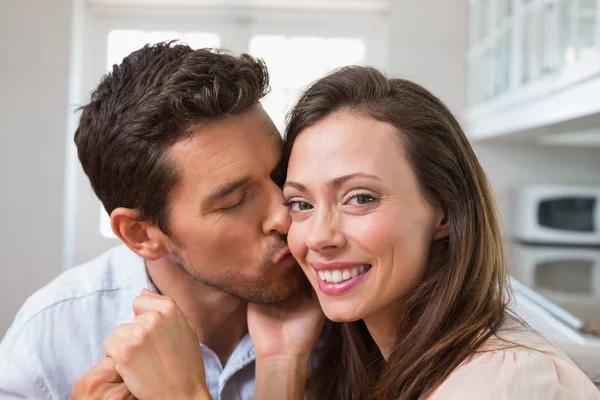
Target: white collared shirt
point(58, 333)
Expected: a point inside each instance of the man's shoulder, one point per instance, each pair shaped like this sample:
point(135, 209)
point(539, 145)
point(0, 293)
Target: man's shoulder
point(58, 333)
point(82, 289)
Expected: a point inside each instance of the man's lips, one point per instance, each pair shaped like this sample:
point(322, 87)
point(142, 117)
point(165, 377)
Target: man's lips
point(282, 256)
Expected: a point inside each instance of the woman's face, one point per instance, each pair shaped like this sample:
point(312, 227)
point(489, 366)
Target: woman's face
point(361, 230)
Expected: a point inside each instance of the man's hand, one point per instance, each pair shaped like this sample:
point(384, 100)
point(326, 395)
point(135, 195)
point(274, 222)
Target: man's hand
point(101, 382)
point(284, 338)
point(158, 354)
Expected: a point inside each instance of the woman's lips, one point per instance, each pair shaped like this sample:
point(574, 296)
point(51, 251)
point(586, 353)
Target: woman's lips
point(336, 278)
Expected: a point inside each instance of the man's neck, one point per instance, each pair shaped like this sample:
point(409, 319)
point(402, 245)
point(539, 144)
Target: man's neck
point(218, 318)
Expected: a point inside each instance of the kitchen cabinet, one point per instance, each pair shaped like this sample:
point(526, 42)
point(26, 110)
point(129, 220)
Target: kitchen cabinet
point(531, 63)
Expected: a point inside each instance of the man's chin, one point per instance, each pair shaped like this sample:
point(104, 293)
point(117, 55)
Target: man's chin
point(280, 292)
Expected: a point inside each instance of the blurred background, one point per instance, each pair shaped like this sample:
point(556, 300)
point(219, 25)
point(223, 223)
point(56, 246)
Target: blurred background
point(523, 77)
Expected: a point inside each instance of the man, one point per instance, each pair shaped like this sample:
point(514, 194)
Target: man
point(185, 161)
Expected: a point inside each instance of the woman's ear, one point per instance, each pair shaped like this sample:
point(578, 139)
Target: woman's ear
point(142, 237)
point(442, 226)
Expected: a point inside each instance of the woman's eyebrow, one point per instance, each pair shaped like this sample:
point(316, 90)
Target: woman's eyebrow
point(334, 183)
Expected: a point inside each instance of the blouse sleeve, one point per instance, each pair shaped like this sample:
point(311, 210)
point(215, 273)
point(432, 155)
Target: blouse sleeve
point(516, 374)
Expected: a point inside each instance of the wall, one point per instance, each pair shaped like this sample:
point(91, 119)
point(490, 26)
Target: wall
point(35, 42)
point(427, 43)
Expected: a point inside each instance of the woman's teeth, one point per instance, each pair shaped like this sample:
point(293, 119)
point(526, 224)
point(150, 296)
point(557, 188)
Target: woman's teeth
point(341, 275)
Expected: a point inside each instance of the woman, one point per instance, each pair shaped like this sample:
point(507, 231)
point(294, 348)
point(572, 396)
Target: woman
point(395, 226)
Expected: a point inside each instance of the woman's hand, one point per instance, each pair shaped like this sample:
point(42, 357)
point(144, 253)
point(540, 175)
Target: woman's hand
point(284, 338)
point(158, 354)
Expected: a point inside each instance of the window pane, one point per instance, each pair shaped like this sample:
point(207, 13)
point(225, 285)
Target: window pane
point(566, 52)
point(484, 19)
point(503, 11)
point(502, 64)
point(296, 61)
point(528, 46)
point(586, 26)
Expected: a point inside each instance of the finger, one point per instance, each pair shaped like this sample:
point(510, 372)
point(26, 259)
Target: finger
point(145, 292)
point(151, 293)
point(108, 371)
point(126, 330)
point(164, 305)
point(113, 347)
point(156, 303)
point(121, 392)
point(105, 371)
point(101, 377)
point(150, 321)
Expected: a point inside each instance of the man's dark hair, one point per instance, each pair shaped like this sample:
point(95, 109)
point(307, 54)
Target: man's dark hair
point(158, 95)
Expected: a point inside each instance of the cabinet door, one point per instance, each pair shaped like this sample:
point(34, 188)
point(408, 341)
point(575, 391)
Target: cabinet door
point(576, 40)
point(529, 46)
point(586, 34)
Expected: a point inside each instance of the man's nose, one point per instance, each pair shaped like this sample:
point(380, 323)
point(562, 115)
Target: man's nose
point(278, 218)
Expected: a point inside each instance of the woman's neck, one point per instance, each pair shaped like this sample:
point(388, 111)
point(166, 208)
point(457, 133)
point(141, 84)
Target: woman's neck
point(383, 327)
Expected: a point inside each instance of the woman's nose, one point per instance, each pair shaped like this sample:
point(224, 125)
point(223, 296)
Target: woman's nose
point(325, 234)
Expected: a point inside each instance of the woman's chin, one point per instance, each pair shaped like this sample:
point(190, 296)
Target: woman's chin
point(341, 314)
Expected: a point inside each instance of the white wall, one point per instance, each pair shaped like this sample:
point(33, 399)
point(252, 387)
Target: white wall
point(427, 43)
point(35, 42)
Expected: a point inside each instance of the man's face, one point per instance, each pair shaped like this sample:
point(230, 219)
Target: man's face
point(227, 218)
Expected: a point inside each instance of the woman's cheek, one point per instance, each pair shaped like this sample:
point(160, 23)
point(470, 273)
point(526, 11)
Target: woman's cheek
point(296, 242)
point(373, 231)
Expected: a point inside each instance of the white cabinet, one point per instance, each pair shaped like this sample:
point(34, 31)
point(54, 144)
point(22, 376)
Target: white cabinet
point(531, 63)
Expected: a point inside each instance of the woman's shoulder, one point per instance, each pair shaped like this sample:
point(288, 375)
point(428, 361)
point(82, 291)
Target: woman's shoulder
point(517, 364)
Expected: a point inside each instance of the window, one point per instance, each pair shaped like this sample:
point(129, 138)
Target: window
point(296, 61)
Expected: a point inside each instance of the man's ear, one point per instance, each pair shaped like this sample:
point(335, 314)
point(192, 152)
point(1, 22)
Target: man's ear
point(142, 237)
point(442, 226)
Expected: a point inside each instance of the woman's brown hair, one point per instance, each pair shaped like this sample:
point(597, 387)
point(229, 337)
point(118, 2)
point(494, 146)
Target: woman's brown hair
point(462, 299)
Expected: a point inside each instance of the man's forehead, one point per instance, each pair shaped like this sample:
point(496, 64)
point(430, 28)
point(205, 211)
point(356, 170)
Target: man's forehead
point(254, 126)
point(228, 151)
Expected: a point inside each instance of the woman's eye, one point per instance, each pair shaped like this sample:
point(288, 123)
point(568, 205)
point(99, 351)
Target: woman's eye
point(298, 205)
point(361, 199)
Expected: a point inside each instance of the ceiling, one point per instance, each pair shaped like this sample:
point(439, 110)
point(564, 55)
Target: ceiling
point(347, 5)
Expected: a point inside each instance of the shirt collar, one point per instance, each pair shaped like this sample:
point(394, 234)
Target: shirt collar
point(135, 277)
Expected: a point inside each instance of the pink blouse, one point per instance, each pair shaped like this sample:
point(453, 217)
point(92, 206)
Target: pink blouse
point(534, 370)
